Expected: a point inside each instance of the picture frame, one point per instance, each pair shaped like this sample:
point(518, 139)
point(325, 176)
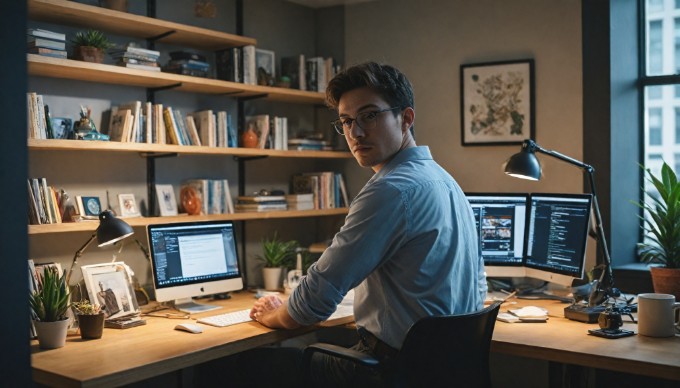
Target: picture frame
point(128, 205)
point(89, 206)
point(167, 204)
point(110, 286)
point(497, 102)
point(265, 65)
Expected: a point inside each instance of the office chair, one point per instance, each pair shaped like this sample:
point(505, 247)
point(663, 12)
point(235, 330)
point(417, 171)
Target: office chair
point(439, 351)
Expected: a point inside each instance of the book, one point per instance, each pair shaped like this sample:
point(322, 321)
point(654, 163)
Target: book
point(124, 323)
point(32, 41)
point(121, 122)
point(294, 68)
point(249, 68)
point(193, 131)
point(205, 122)
point(228, 65)
point(139, 66)
point(260, 198)
point(47, 52)
point(134, 107)
point(292, 198)
point(40, 33)
point(171, 127)
point(184, 54)
point(259, 207)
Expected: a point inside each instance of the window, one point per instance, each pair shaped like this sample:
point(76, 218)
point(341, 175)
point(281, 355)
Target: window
point(661, 84)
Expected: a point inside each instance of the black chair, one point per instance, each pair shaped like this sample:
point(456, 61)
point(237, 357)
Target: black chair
point(439, 351)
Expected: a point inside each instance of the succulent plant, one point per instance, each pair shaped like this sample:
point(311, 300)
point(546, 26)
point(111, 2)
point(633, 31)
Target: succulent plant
point(51, 301)
point(92, 38)
point(84, 307)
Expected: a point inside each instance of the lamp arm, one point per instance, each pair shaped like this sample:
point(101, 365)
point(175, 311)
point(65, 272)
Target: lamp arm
point(144, 250)
point(79, 253)
point(599, 229)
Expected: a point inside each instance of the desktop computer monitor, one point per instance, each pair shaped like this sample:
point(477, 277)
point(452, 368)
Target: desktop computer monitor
point(557, 232)
point(500, 220)
point(192, 259)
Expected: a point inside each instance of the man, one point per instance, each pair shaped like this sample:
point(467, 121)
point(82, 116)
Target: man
point(408, 246)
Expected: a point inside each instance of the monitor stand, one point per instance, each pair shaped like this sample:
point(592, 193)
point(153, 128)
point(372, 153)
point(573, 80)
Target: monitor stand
point(188, 305)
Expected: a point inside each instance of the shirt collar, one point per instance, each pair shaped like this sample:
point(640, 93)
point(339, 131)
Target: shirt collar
point(405, 155)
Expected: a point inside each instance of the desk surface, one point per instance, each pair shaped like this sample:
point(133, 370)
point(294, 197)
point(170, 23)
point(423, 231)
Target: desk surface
point(565, 341)
point(130, 355)
point(126, 356)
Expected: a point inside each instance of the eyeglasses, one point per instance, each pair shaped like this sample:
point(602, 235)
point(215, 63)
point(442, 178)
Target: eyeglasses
point(365, 120)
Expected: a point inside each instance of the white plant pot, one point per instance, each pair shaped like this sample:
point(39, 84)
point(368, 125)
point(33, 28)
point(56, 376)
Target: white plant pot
point(51, 335)
point(272, 278)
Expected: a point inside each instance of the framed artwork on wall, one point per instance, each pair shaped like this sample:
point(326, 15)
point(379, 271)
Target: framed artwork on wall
point(128, 205)
point(497, 102)
point(167, 204)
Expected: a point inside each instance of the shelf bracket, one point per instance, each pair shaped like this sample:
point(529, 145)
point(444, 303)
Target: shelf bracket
point(253, 97)
point(152, 40)
point(151, 177)
point(151, 92)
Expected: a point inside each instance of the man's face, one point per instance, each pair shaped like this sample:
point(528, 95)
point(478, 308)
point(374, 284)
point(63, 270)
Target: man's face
point(376, 146)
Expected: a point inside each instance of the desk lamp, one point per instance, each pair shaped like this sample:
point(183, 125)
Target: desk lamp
point(110, 230)
point(526, 165)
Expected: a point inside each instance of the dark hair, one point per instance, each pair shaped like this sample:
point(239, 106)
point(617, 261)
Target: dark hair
point(390, 83)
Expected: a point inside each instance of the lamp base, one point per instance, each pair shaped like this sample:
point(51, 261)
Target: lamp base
point(585, 314)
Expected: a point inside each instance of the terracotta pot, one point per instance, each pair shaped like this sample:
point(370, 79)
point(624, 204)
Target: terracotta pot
point(89, 54)
point(666, 281)
point(91, 326)
point(51, 335)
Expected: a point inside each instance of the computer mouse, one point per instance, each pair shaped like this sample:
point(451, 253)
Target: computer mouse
point(190, 327)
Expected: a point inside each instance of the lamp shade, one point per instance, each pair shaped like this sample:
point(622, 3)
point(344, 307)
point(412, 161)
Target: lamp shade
point(111, 229)
point(524, 164)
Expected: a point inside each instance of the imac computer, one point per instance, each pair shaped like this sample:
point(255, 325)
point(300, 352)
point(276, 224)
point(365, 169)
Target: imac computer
point(500, 219)
point(192, 259)
point(557, 233)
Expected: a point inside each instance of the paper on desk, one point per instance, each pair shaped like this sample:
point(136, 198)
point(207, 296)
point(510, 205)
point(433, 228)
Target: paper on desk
point(345, 308)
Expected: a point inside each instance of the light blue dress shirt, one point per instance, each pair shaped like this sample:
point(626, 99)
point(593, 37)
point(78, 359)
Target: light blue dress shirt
point(408, 247)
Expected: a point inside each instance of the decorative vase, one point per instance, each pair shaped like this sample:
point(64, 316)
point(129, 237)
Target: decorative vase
point(51, 335)
point(272, 278)
point(249, 138)
point(91, 326)
point(89, 54)
point(666, 280)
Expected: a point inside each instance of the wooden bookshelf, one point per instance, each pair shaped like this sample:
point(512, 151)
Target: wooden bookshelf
point(91, 226)
point(113, 146)
point(39, 65)
point(123, 23)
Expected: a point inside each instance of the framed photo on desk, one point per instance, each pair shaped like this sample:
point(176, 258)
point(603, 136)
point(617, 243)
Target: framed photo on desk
point(110, 286)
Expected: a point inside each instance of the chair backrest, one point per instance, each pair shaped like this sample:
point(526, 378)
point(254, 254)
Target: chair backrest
point(447, 351)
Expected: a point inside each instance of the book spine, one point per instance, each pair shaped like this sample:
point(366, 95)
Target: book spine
point(170, 127)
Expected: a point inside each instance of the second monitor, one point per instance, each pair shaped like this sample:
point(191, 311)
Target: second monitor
point(541, 236)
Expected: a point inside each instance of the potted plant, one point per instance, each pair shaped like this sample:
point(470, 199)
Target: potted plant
point(50, 304)
point(277, 255)
point(90, 319)
point(662, 230)
point(90, 46)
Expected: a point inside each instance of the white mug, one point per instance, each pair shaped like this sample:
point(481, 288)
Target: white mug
point(656, 315)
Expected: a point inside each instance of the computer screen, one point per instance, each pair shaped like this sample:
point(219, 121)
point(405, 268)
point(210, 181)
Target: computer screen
point(192, 259)
point(557, 233)
point(500, 219)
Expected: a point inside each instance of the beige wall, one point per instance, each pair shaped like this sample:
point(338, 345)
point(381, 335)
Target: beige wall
point(429, 40)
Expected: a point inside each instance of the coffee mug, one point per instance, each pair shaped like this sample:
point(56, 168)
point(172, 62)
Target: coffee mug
point(656, 315)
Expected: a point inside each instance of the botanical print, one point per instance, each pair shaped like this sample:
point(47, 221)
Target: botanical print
point(496, 103)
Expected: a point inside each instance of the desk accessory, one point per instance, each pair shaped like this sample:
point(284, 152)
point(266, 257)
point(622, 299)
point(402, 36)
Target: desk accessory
point(610, 322)
point(110, 230)
point(526, 165)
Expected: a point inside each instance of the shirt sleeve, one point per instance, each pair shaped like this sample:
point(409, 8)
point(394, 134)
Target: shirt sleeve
point(374, 229)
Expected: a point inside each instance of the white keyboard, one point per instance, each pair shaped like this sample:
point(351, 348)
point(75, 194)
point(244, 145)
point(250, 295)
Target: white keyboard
point(227, 319)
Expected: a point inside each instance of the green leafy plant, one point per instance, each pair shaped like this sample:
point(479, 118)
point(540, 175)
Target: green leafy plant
point(92, 38)
point(84, 307)
point(51, 301)
point(278, 253)
point(662, 228)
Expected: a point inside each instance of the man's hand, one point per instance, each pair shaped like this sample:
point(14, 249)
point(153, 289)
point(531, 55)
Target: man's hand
point(272, 312)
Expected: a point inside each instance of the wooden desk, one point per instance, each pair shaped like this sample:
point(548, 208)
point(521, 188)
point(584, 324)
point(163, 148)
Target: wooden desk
point(130, 355)
point(565, 341)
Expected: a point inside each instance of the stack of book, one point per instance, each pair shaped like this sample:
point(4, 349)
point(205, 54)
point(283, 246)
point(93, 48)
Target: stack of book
point(48, 43)
point(302, 144)
point(136, 58)
point(187, 63)
point(300, 201)
point(261, 203)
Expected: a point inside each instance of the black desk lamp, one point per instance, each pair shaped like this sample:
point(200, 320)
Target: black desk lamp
point(526, 165)
point(110, 230)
